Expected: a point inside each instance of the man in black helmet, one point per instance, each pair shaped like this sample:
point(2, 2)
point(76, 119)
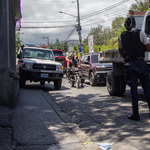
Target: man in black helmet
point(132, 45)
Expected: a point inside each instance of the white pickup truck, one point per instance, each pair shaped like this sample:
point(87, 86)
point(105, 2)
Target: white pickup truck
point(38, 64)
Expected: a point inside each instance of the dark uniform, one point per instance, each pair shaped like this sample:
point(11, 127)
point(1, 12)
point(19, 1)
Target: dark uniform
point(133, 51)
point(73, 63)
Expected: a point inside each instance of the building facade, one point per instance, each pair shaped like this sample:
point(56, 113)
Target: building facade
point(9, 80)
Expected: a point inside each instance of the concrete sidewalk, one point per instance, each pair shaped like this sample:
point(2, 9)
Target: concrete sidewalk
point(37, 123)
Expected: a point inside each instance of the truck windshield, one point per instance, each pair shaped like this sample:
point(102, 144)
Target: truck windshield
point(58, 53)
point(94, 58)
point(38, 54)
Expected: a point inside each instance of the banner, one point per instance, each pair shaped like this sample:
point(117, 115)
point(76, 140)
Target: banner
point(90, 43)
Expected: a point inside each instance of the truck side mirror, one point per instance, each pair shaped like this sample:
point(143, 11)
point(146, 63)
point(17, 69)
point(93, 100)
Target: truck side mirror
point(86, 62)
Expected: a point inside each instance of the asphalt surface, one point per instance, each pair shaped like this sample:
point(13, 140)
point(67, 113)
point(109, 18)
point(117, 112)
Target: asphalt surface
point(104, 118)
point(73, 119)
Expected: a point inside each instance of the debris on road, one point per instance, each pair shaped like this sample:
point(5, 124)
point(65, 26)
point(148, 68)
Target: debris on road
point(104, 146)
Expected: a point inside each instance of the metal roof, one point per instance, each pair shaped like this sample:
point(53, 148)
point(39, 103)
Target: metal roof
point(17, 9)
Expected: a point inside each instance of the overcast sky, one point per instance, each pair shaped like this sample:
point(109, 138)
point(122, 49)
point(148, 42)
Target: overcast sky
point(45, 13)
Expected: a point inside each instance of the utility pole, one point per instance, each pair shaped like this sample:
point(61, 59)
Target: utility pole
point(79, 26)
point(47, 40)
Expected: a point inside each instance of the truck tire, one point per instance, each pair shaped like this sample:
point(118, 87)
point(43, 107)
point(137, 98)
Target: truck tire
point(42, 82)
point(113, 84)
point(72, 83)
point(22, 82)
point(57, 84)
point(92, 79)
point(122, 86)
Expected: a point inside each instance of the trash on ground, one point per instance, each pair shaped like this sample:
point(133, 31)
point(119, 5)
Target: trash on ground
point(104, 146)
point(86, 143)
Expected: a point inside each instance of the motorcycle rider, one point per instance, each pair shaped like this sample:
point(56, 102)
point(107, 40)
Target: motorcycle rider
point(73, 63)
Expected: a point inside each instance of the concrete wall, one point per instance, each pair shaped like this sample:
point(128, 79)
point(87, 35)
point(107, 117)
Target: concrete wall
point(9, 83)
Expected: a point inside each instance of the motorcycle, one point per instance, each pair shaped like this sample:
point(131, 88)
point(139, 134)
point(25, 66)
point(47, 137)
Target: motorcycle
point(76, 77)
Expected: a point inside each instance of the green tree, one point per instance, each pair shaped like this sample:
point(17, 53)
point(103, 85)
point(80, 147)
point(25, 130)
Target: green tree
point(85, 42)
point(85, 49)
point(60, 46)
point(57, 45)
point(141, 5)
point(51, 46)
point(101, 35)
point(118, 23)
point(75, 49)
point(65, 46)
point(18, 40)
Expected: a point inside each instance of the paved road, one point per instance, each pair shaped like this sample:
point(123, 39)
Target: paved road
point(102, 117)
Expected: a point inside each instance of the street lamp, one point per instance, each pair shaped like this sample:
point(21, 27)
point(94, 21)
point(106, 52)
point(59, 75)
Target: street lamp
point(68, 14)
point(79, 26)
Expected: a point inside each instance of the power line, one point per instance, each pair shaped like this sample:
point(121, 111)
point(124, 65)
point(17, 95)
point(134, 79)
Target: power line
point(102, 20)
point(89, 15)
point(49, 21)
point(47, 27)
point(50, 1)
point(111, 12)
point(104, 10)
point(70, 32)
point(69, 35)
point(117, 13)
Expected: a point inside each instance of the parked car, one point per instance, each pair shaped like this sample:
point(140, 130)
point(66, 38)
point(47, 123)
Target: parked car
point(93, 70)
point(58, 55)
point(38, 64)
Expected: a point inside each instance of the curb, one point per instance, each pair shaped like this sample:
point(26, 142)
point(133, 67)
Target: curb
point(82, 137)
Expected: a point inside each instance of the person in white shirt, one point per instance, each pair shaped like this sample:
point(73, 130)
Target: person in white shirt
point(132, 45)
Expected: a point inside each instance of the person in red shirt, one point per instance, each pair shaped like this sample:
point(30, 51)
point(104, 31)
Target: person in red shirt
point(68, 62)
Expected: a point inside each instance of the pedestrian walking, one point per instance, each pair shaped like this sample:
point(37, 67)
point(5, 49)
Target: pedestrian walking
point(132, 45)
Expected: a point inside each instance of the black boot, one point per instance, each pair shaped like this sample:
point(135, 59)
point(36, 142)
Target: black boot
point(135, 116)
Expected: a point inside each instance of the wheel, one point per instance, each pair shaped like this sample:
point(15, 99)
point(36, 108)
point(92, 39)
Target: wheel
point(122, 87)
point(42, 82)
point(72, 83)
point(92, 79)
point(22, 82)
point(112, 83)
point(57, 84)
point(82, 80)
point(78, 82)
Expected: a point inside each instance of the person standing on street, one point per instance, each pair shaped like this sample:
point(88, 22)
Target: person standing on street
point(132, 45)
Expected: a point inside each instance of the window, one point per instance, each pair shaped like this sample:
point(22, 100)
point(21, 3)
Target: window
point(58, 53)
point(94, 58)
point(38, 54)
point(85, 58)
point(82, 59)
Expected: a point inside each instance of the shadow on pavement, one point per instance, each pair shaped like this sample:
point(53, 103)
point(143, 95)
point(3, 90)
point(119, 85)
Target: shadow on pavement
point(105, 117)
point(46, 87)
